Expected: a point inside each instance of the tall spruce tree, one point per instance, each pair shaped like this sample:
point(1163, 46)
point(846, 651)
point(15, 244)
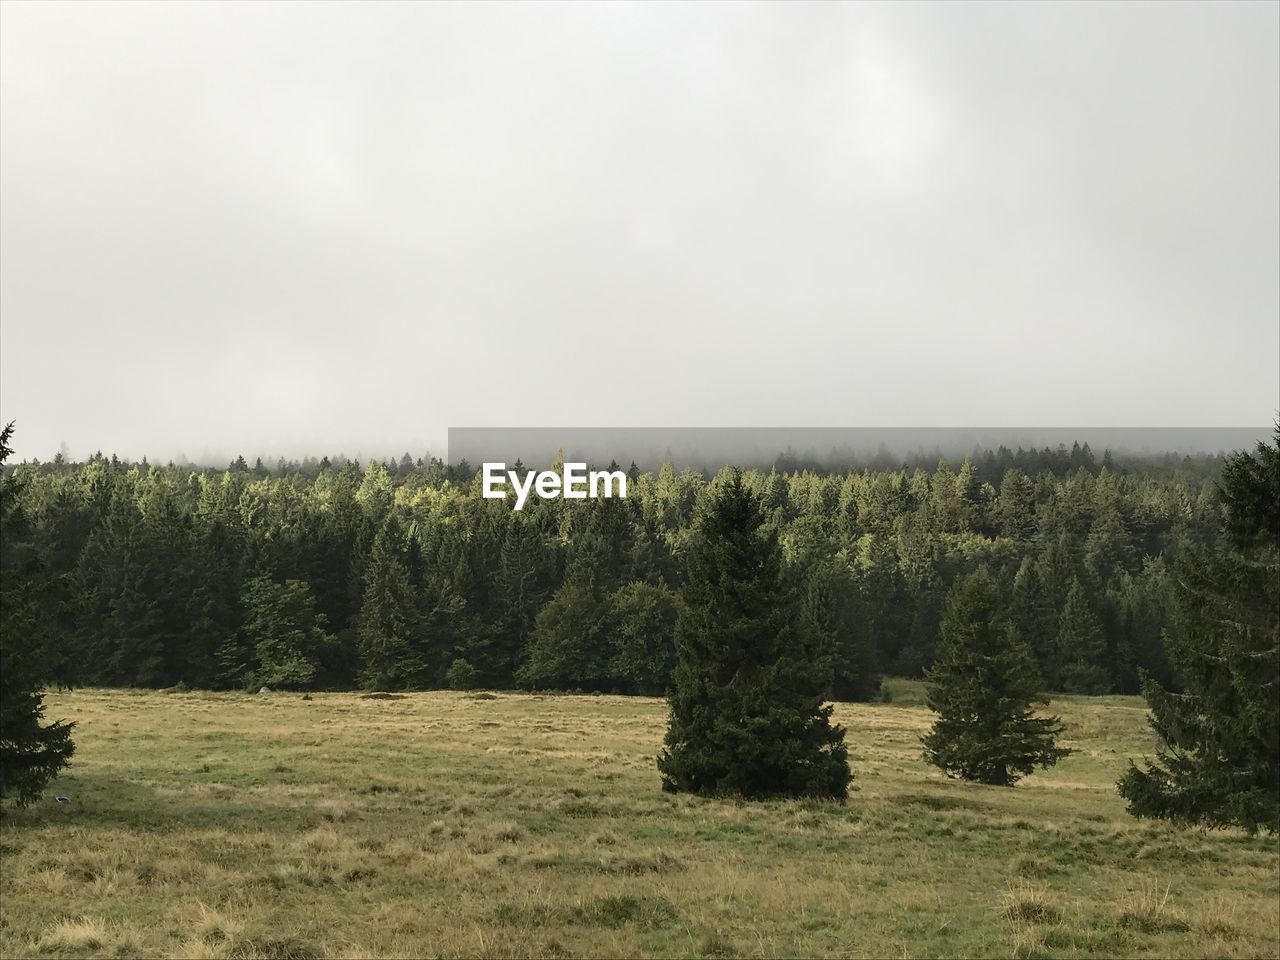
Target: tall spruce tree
point(1220, 760)
point(1081, 646)
point(31, 753)
point(390, 627)
point(1016, 507)
point(983, 688)
point(747, 717)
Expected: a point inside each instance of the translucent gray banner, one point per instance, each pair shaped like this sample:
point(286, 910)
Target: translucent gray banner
point(708, 448)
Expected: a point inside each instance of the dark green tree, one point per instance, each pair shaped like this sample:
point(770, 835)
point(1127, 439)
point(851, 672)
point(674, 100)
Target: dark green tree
point(832, 610)
point(641, 632)
point(1081, 645)
point(391, 628)
point(1218, 762)
point(282, 642)
point(1035, 621)
point(31, 752)
point(983, 689)
point(569, 648)
point(1016, 506)
point(747, 717)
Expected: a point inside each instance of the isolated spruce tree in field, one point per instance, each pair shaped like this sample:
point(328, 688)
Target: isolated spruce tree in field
point(747, 717)
point(31, 753)
point(983, 688)
point(1219, 763)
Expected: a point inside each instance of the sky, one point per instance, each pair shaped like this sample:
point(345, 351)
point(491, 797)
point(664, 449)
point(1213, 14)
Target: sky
point(310, 228)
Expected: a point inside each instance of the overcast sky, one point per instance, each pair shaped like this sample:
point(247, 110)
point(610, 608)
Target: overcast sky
point(307, 228)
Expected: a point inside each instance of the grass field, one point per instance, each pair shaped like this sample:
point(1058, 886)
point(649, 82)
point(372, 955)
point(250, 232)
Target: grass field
point(230, 825)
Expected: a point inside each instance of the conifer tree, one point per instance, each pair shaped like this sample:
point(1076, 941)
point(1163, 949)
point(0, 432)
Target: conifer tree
point(983, 688)
point(1035, 622)
point(1220, 760)
point(1081, 645)
point(831, 608)
point(747, 716)
point(569, 648)
point(31, 753)
point(641, 624)
point(1017, 506)
point(390, 630)
point(283, 637)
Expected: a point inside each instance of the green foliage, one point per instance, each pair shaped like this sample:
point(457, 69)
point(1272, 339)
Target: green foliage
point(147, 567)
point(282, 642)
point(620, 642)
point(568, 648)
point(1218, 756)
point(392, 628)
point(1080, 646)
point(640, 631)
point(31, 752)
point(833, 613)
point(1016, 507)
point(461, 675)
point(982, 689)
point(747, 716)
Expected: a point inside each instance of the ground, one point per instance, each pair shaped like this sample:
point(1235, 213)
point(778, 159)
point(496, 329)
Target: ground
point(452, 824)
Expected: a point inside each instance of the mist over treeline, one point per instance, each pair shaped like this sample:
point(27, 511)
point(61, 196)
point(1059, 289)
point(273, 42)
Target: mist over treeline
point(989, 463)
point(326, 573)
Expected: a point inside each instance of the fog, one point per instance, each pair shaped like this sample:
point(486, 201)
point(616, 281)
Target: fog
point(301, 229)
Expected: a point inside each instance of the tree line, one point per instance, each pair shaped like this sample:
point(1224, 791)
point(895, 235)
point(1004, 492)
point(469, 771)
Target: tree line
point(398, 575)
point(749, 598)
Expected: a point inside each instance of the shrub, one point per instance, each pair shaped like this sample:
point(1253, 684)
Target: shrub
point(461, 675)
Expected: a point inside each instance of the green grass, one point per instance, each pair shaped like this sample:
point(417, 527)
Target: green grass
point(230, 825)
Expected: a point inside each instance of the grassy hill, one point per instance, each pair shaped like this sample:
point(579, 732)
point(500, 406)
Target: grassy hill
point(233, 825)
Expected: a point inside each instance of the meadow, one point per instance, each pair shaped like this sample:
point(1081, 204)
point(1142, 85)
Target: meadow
point(505, 824)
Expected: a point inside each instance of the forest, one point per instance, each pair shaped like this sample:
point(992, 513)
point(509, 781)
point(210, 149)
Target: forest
point(399, 575)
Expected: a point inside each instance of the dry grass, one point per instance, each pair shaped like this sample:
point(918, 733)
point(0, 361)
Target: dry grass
point(441, 824)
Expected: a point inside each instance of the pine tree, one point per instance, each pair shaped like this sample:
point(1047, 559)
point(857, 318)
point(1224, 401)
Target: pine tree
point(1220, 760)
point(390, 625)
point(983, 688)
point(747, 717)
point(885, 599)
point(569, 648)
point(521, 583)
point(1035, 621)
point(1016, 506)
point(831, 608)
point(31, 753)
point(1081, 646)
point(284, 640)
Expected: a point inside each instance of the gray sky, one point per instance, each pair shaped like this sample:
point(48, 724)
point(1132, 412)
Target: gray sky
point(310, 228)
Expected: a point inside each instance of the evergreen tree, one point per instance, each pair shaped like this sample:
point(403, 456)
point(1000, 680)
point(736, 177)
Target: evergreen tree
point(31, 753)
point(283, 636)
point(641, 626)
point(391, 642)
point(1219, 763)
point(885, 602)
point(747, 716)
point(1016, 506)
point(983, 688)
point(1035, 621)
point(569, 647)
point(524, 573)
point(1081, 645)
point(831, 611)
